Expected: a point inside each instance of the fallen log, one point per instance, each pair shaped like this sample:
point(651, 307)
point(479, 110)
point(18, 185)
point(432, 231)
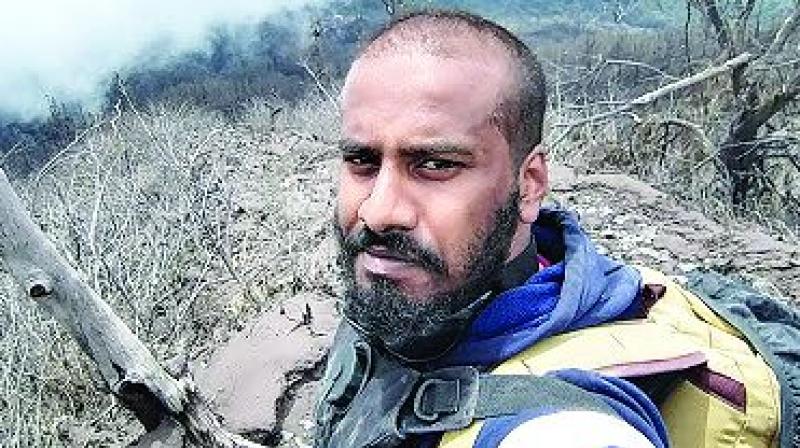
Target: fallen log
point(128, 368)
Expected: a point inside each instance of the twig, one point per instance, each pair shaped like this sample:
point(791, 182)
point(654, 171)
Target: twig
point(771, 184)
point(57, 157)
point(762, 67)
point(641, 65)
point(696, 129)
point(753, 146)
point(8, 153)
point(787, 28)
point(321, 87)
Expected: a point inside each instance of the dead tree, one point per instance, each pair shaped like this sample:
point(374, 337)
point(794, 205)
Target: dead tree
point(755, 101)
point(157, 399)
point(655, 95)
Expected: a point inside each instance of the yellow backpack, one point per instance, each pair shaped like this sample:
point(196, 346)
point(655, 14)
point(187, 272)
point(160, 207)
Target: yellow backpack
point(725, 394)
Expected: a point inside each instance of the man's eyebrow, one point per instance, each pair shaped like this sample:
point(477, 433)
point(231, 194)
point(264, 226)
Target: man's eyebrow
point(438, 148)
point(350, 146)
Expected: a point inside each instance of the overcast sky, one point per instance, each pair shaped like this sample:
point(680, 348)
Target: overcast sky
point(70, 48)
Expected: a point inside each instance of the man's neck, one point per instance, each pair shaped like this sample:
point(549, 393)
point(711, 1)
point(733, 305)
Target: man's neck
point(520, 240)
point(518, 269)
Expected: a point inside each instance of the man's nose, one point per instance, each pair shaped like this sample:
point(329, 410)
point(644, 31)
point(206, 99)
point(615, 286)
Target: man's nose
point(388, 206)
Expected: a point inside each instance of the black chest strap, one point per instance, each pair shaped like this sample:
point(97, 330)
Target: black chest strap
point(371, 400)
point(452, 398)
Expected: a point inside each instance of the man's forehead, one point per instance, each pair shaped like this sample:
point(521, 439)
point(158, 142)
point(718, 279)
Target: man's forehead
point(423, 91)
point(481, 66)
point(448, 40)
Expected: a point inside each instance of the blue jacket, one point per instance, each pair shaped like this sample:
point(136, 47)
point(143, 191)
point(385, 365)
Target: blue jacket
point(582, 289)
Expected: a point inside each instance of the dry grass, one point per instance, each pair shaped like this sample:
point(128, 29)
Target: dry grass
point(187, 224)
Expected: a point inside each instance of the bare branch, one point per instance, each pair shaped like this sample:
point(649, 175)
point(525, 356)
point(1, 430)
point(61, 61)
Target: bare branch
point(321, 87)
point(686, 35)
point(651, 97)
point(47, 277)
point(711, 11)
point(738, 61)
point(641, 65)
point(751, 119)
point(696, 129)
point(749, 5)
point(762, 67)
point(127, 366)
point(784, 32)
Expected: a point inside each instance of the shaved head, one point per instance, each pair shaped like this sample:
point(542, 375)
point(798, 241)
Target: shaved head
point(453, 34)
point(440, 181)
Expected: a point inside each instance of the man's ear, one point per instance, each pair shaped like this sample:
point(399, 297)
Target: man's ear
point(533, 184)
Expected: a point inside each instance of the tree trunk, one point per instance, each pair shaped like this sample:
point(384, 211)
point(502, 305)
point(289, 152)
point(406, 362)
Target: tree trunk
point(739, 152)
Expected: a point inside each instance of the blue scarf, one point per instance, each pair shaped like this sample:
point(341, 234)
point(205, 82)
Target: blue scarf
point(582, 290)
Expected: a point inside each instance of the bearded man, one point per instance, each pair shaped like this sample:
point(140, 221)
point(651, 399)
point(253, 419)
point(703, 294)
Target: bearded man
point(454, 269)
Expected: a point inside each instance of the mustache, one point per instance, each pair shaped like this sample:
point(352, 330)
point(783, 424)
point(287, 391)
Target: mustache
point(394, 244)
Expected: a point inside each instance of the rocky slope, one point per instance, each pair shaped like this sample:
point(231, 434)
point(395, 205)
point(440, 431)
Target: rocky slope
point(640, 225)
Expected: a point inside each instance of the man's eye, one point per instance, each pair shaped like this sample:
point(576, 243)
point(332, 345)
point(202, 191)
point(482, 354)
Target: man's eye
point(361, 164)
point(359, 159)
point(438, 164)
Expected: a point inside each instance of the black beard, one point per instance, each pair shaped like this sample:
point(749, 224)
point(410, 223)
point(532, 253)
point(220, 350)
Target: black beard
point(423, 329)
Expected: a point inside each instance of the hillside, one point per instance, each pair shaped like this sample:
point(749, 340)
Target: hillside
point(212, 240)
point(200, 209)
point(627, 218)
point(210, 237)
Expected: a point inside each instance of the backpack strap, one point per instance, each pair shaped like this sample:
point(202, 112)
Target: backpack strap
point(370, 399)
point(452, 398)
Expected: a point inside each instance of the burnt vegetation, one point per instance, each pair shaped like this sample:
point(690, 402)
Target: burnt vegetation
point(598, 55)
point(276, 59)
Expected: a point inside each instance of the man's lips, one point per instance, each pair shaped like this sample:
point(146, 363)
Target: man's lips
point(379, 261)
point(382, 252)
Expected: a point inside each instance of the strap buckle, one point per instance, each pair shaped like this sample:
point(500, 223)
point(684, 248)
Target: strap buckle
point(443, 400)
point(436, 396)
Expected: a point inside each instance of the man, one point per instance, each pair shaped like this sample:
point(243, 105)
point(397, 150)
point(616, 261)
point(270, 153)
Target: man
point(452, 266)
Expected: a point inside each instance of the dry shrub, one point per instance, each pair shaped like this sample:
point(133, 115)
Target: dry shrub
point(675, 142)
point(187, 224)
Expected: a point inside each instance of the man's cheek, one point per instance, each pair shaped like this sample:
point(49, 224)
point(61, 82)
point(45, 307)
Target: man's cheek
point(349, 197)
point(344, 213)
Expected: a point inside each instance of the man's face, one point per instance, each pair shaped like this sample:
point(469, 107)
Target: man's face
point(427, 187)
